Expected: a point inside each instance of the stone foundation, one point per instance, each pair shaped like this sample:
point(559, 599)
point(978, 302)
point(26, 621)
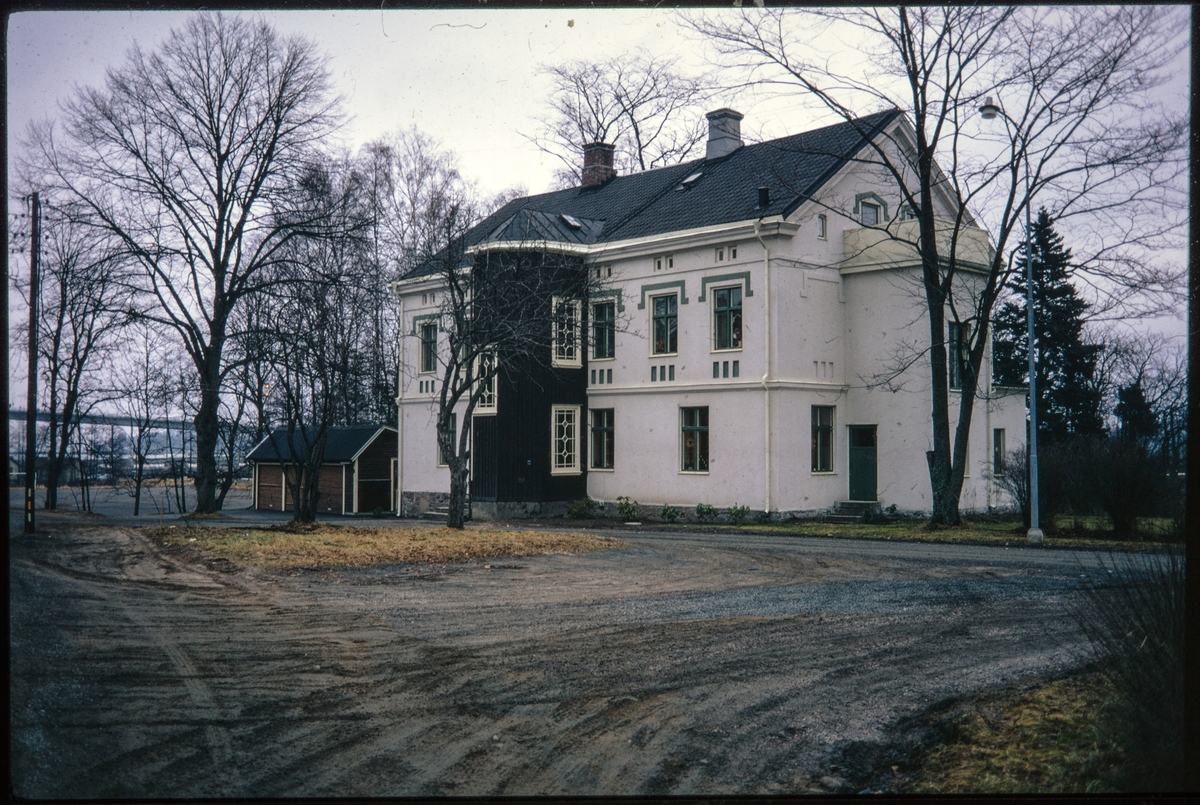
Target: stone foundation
point(415, 504)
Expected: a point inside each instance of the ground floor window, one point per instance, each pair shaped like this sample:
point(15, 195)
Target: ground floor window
point(442, 462)
point(564, 439)
point(822, 438)
point(998, 452)
point(602, 438)
point(694, 438)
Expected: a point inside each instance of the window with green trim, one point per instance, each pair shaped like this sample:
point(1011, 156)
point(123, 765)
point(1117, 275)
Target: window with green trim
point(602, 438)
point(958, 354)
point(694, 438)
point(604, 330)
point(727, 318)
point(870, 214)
point(666, 324)
point(822, 438)
point(428, 357)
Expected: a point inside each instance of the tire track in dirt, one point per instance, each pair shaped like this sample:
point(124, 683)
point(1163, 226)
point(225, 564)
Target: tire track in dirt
point(668, 667)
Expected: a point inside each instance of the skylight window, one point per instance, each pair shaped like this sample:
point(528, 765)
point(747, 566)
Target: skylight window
point(571, 221)
point(690, 180)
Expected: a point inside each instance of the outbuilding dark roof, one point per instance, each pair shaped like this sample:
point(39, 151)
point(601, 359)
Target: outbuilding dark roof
point(341, 446)
point(659, 201)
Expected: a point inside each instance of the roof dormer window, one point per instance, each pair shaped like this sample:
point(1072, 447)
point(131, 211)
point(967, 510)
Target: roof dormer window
point(571, 221)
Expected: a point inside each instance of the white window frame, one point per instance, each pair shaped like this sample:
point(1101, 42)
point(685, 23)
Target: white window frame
point(486, 404)
point(572, 466)
point(822, 227)
point(574, 359)
point(664, 262)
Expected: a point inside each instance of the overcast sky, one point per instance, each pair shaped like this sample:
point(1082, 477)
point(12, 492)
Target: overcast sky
point(467, 77)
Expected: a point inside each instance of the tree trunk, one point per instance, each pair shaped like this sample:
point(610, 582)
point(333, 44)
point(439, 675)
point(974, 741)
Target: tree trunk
point(207, 424)
point(457, 514)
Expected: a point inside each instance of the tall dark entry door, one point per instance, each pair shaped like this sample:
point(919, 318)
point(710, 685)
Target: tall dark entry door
point(862, 462)
point(483, 458)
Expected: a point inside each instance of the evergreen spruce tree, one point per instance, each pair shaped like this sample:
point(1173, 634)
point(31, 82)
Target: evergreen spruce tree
point(1068, 401)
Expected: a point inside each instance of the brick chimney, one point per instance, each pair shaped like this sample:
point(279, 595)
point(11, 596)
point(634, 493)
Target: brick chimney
point(597, 164)
point(724, 133)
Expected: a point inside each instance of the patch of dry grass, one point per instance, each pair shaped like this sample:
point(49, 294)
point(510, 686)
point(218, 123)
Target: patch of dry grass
point(327, 545)
point(1047, 740)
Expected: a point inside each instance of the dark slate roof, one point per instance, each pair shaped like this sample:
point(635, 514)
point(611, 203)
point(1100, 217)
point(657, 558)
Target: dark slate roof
point(655, 202)
point(341, 446)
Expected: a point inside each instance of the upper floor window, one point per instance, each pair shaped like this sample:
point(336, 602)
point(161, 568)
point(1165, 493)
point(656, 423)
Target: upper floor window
point(907, 213)
point(822, 226)
point(724, 253)
point(428, 357)
point(666, 324)
point(603, 272)
point(664, 262)
point(727, 318)
point(566, 334)
point(604, 330)
point(870, 214)
point(485, 373)
point(998, 452)
point(958, 353)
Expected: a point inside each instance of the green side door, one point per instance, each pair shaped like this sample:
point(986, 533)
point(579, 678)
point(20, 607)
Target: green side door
point(862, 462)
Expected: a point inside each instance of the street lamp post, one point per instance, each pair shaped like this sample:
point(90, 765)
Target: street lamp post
point(990, 111)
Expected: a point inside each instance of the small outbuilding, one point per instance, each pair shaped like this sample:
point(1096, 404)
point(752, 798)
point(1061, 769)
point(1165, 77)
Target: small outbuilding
point(358, 473)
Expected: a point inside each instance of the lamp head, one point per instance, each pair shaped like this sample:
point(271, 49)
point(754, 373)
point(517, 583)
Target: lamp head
point(989, 110)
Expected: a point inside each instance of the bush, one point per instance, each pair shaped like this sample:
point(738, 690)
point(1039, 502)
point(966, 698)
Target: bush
point(580, 509)
point(1054, 479)
point(706, 513)
point(1132, 611)
point(626, 509)
point(738, 514)
point(1124, 479)
point(670, 513)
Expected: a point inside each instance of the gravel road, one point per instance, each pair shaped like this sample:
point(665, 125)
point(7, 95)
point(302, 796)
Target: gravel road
point(682, 664)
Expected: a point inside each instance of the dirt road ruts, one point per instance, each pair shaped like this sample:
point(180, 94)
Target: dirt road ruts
point(676, 665)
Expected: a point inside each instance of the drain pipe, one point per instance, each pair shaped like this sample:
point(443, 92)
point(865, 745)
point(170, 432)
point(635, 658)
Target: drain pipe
point(400, 417)
point(767, 373)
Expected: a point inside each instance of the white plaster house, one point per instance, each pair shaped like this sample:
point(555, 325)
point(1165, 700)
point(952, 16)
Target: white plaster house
point(755, 306)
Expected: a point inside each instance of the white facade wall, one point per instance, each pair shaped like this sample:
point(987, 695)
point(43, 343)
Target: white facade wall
point(838, 325)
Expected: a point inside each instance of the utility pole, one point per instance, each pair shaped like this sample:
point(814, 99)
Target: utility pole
point(31, 399)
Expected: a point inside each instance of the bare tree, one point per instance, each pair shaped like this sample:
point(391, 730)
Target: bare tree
point(1078, 122)
point(183, 156)
point(314, 337)
point(504, 311)
point(642, 104)
point(140, 379)
point(80, 314)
